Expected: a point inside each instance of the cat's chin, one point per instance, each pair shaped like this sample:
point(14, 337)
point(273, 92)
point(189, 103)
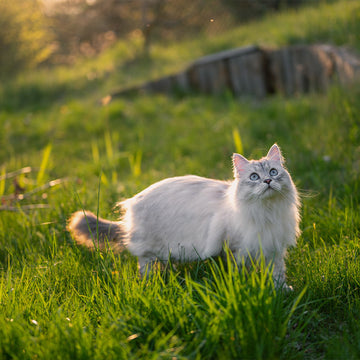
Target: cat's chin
point(269, 193)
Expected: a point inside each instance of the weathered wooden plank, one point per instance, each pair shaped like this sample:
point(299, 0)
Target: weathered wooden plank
point(182, 82)
point(275, 70)
point(247, 75)
point(346, 65)
point(300, 69)
point(209, 78)
point(322, 70)
point(288, 70)
point(227, 54)
point(301, 81)
point(237, 78)
point(162, 85)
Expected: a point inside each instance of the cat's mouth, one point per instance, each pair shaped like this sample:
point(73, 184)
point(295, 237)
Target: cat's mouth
point(268, 191)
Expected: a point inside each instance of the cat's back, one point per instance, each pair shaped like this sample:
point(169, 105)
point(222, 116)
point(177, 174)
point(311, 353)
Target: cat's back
point(175, 215)
point(179, 191)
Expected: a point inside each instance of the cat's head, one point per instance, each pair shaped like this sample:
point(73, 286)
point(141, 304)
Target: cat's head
point(266, 178)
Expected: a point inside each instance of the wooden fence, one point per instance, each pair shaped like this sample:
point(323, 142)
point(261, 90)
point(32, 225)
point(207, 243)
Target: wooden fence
point(258, 72)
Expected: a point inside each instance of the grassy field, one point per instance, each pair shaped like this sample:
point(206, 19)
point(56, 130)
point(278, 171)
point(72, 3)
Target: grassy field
point(63, 302)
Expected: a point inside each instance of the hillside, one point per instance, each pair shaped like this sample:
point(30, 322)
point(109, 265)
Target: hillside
point(335, 23)
point(62, 301)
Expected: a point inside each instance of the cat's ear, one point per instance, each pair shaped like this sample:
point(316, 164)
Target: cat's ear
point(239, 163)
point(274, 154)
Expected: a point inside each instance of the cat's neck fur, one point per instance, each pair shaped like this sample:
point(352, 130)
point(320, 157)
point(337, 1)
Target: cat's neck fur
point(273, 222)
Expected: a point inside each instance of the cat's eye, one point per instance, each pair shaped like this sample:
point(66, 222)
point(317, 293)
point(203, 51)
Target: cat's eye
point(273, 172)
point(254, 177)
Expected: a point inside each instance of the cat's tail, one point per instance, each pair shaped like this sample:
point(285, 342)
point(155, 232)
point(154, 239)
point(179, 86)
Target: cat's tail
point(92, 231)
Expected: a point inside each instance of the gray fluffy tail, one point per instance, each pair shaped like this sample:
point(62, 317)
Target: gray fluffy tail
point(92, 231)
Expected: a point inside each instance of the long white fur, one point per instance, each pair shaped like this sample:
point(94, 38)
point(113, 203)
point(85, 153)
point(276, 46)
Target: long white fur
point(191, 217)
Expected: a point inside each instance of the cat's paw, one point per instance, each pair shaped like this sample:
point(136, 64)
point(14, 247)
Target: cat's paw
point(287, 288)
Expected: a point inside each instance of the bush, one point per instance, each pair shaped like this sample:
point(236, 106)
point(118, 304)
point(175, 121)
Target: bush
point(24, 39)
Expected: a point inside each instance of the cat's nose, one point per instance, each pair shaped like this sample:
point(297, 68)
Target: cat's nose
point(267, 181)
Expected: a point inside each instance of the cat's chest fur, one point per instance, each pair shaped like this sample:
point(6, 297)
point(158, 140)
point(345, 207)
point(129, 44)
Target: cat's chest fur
point(267, 226)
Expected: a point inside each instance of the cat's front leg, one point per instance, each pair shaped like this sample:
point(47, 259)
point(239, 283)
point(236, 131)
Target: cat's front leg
point(145, 265)
point(279, 274)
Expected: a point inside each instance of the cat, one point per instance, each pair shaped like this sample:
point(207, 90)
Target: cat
point(191, 217)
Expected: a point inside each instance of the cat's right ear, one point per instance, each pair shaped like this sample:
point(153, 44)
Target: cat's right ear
point(239, 163)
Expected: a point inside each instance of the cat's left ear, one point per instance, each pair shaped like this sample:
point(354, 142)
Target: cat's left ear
point(239, 163)
point(274, 154)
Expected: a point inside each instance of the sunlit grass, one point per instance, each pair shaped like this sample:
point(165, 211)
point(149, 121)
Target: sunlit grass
point(46, 278)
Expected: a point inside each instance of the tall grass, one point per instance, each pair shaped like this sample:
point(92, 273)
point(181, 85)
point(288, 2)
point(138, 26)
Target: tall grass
point(54, 293)
point(224, 313)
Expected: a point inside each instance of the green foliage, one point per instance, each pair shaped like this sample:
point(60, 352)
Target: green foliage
point(24, 40)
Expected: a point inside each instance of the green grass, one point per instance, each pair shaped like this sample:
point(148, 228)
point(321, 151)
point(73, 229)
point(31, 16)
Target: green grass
point(60, 301)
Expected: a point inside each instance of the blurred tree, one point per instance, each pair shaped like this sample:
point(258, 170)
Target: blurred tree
point(250, 9)
point(152, 14)
point(86, 26)
point(171, 19)
point(24, 38)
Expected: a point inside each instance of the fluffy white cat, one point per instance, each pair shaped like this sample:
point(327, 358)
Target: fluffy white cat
point(191, 217)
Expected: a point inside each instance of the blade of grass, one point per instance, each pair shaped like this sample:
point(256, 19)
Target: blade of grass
point(44, 164)
point(237, 141)
point(95, 152)
point(2, 181)
point(12, 174)
point(135, 163)
point(108, 146)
